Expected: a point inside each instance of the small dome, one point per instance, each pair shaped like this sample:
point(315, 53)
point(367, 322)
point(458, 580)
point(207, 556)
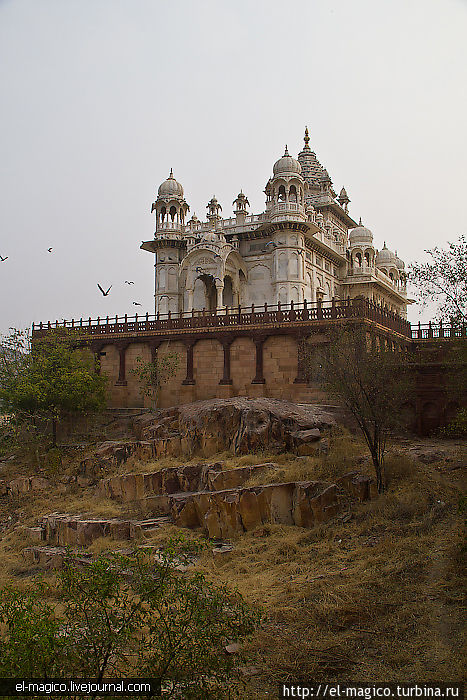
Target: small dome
point(360, 234)
point(400, 264)
point(287, 165)
point(385, 257)
point(170, 187)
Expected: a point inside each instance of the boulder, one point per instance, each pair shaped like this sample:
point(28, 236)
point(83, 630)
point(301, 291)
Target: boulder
point(239, 425)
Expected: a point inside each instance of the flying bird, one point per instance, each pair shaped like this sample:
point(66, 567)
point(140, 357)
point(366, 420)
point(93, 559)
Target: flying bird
point(136, 303)
point(126, 282)
point(3, 259)
point(49, 250)
point(104, 293)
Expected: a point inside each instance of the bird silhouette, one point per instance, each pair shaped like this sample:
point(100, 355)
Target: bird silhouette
point(3, 259)
point(136, 303)
point(49, 250)
point(126, 282)
point(104, 293)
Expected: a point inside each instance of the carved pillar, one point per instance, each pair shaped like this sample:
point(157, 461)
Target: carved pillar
point(259, 378)
point(226, 343)
point(219, 290)
point(189, 363)
point(301, 377)
point(190, 299)
point(122, 346)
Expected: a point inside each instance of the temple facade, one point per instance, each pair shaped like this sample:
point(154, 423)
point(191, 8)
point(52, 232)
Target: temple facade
point(304, 246)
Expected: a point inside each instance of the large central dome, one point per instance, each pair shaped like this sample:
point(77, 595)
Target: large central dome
point(287, 165)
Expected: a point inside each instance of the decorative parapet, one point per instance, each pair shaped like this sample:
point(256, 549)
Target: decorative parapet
point(267, 316)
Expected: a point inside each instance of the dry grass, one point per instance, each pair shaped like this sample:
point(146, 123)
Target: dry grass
point(377, 596)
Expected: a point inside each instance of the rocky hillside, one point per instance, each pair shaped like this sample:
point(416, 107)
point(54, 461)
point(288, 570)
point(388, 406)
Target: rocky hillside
point(353, 585)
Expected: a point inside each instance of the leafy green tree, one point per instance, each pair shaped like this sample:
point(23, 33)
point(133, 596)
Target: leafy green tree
point(443, 280)
point(372, 383)
point(152, 375)
point(126, 617)
point(48, 378)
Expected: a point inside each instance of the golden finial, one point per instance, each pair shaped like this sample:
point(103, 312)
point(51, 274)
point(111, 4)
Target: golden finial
point(307, 138)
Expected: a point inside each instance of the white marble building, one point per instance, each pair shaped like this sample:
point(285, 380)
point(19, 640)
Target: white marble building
point(303, 246)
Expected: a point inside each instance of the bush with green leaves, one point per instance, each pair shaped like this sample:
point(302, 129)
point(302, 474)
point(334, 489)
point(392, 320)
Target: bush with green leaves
point(152, 375)
point(48, 378)
point(127, 617)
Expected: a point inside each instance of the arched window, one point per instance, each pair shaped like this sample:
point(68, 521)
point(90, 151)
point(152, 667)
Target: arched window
point(281, 194)
point(172, 212)
point(358, 259)
point(367, 258)
point(163, 213)
point(292, 193)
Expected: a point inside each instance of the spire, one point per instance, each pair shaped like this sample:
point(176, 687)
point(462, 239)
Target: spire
point(286, 151)
point(171, 173)
point(306, 138)
point(360, 221)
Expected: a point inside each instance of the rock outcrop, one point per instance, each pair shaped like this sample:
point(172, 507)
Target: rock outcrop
point(192, 477)
point(65, 529)
point(239, 424)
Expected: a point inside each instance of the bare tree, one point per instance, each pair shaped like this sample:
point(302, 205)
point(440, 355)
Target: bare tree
point(371, 381)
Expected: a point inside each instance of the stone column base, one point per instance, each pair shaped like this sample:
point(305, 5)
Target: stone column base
point(225, 391)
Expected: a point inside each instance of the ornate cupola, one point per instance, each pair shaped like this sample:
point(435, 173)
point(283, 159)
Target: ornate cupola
point(170, 206)
point(285, 191)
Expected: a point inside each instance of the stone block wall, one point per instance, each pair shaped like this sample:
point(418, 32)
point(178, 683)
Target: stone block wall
point(242, 365)
point(280, 365)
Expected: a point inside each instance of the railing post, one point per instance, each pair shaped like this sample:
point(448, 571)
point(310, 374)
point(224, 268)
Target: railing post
point(319, 310)
point(333, 308)
point(441, 330)
point(430, 330)
point(419, 331)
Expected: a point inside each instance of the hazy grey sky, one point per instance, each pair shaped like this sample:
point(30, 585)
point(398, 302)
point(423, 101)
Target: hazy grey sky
point(100, 98)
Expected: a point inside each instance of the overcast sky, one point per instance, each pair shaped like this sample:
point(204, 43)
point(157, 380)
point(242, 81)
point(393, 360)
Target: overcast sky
point(100, 98)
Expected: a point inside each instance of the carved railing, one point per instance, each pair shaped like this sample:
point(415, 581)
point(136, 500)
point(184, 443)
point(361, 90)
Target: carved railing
point(229, 317)
point(438, 331)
